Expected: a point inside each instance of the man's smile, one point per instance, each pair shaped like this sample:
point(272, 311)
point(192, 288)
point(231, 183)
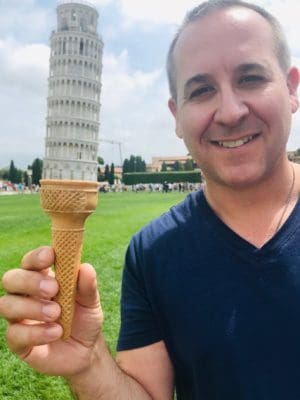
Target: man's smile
point(231, 144)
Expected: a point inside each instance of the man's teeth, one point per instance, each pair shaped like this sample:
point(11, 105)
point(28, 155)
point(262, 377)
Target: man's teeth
point(235, 143)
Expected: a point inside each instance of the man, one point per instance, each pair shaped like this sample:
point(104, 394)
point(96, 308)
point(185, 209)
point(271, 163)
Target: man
point(211, 290)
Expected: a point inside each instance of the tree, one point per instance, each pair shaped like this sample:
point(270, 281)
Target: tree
point(100, 160)
point(189, 165)
point(100, 175)
point(134, 164)
point(111, 178)
point(131, 164)
point(4, 173)
point(37, 169)
point(297, 153)
point(163, 167)
point(14, 175)
point(106, 173)
point(178, 166)
point(140, 165)
point(126, 166)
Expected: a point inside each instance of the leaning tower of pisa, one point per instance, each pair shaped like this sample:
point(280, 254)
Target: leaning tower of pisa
point(71, 144)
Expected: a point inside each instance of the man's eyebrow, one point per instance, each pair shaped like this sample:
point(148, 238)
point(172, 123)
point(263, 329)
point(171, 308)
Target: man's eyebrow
point(251, 67)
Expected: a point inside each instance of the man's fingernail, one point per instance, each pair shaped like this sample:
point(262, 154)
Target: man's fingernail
point(48, 287)
point(42, 254)
point(50, 310)
point(54, 331)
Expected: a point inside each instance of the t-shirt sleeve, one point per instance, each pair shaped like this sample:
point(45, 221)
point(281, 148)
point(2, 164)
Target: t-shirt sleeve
point(138, 323)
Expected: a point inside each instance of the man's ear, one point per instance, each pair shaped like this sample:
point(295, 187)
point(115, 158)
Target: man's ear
point(173, 108)
point(293, 83)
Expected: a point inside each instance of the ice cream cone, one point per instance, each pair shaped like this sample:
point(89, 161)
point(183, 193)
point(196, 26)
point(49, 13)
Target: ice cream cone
point(68, 203)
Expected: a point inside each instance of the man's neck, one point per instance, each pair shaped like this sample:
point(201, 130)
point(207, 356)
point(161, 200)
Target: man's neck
point(256, 213)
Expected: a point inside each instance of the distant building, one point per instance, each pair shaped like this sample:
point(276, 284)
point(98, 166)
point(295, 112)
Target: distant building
point(118, 174)
point(71, 145)
point(169, 161)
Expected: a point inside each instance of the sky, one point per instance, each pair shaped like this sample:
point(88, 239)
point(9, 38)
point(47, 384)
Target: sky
point(136, 35)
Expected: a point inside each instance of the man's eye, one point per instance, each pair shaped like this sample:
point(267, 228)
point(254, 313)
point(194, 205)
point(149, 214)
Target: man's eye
point(252, 79)
point(202, 91)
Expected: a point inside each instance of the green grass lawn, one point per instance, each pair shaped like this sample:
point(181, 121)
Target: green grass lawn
point(23, 226)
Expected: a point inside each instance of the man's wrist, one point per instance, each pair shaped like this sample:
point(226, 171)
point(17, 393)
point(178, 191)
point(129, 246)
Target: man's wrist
point(89, 381)
point(103, 379)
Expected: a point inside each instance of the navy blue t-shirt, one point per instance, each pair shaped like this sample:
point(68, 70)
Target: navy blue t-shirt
point(229, 313)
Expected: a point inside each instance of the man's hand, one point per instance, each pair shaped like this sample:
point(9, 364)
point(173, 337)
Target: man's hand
point(33, 333)
point(84, 360)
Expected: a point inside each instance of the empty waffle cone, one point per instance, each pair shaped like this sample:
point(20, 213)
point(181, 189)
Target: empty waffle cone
point(68, 203)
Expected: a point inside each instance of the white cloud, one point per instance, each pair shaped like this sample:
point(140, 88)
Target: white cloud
point(287, 12)
point(25, 19)
point(22, 127)
point(23, 91)
point(101, 3)
point(24, 66)
point(122, 84)
point(134, 111)
point(150, 13)
point(156, 11)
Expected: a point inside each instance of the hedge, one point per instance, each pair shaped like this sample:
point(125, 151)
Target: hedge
point(135, 178)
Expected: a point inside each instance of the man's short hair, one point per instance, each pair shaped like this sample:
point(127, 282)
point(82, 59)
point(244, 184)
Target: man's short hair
point(280, 42)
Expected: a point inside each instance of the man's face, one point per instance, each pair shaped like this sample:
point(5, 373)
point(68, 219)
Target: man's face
point(234, 102)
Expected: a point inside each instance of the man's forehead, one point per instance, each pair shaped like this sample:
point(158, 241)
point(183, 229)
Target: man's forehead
point(235, 20)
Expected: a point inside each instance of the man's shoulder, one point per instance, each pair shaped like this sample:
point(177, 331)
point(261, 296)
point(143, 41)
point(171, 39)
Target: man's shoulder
point(182, 216)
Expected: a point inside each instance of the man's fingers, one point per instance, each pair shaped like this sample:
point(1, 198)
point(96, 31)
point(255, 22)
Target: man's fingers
point(21, 337)
point(38, 259)
point(31, 283)
point(18, 308)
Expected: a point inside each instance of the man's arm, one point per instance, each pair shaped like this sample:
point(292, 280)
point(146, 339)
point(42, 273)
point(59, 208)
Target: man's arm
point(141, 374)
point(151, 367)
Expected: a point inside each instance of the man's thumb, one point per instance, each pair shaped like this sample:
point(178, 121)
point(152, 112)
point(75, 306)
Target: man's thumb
point(87, 294)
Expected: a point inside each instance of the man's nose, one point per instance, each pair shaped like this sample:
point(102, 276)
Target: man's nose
point(231, 108)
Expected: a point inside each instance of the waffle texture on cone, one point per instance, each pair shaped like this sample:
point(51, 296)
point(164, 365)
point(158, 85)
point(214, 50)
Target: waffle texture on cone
point(63, 200)
point(68, 196)
point(67, 244)
point(68, 203)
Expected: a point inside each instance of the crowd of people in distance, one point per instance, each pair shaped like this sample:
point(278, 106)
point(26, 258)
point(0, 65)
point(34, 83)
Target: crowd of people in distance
point(165, 187)
point(7, 187)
